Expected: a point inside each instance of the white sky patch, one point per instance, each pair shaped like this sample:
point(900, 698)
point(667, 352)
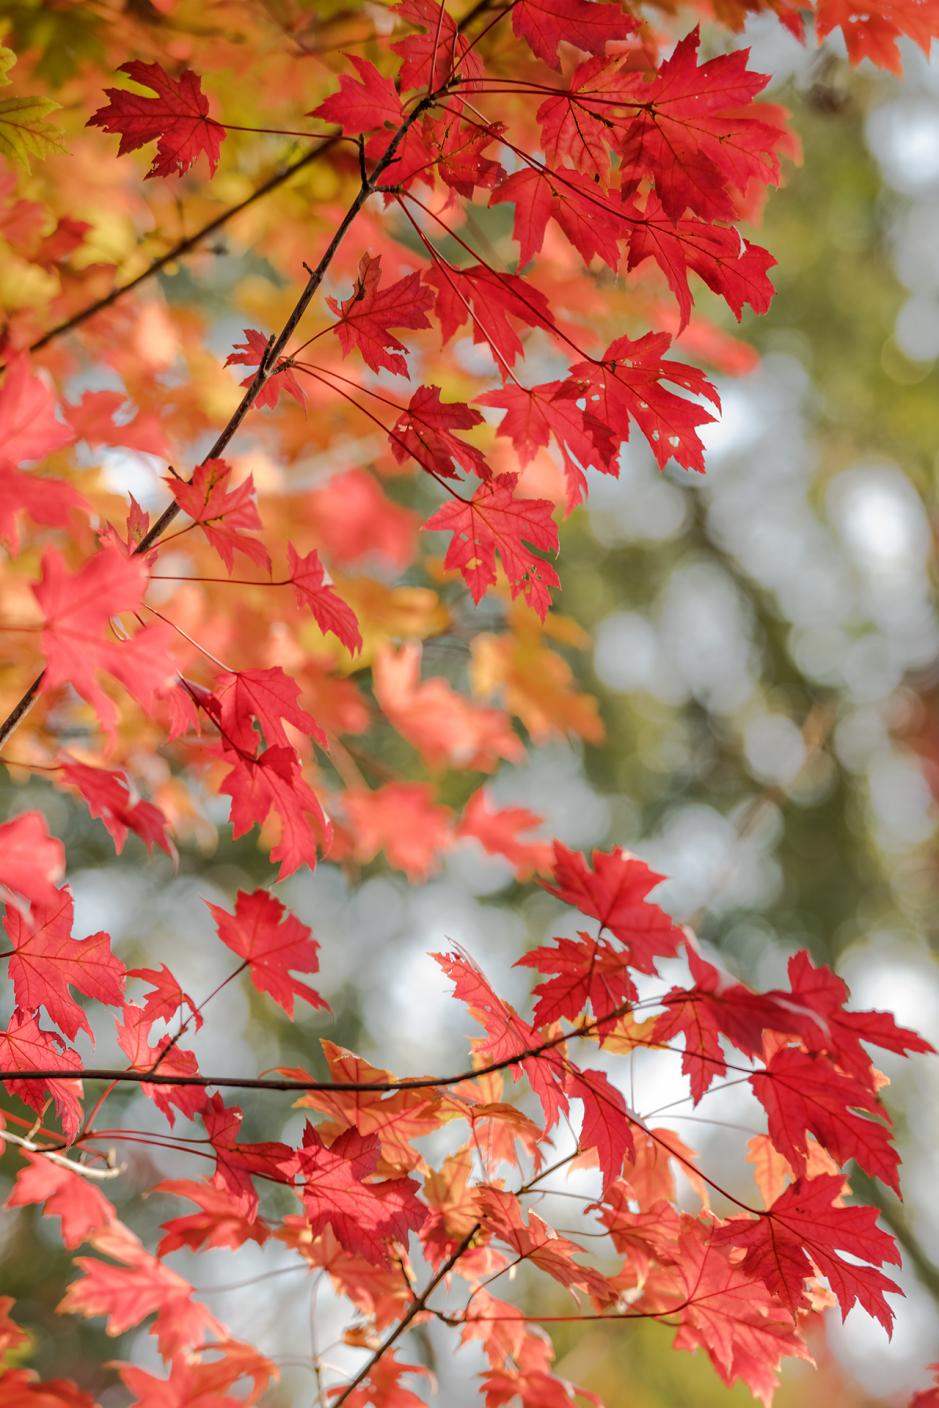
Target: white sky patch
point(904, 137)
point(881, 520)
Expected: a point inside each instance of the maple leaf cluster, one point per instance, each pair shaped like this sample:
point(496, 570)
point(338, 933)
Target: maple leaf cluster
point(239, 658)
point(743, 1287)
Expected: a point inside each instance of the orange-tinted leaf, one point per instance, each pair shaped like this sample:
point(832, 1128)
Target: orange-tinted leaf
point(79, 1202)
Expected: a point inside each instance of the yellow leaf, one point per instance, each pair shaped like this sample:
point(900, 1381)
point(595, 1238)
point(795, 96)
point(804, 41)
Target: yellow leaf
point(536, 685)
point(24, 131)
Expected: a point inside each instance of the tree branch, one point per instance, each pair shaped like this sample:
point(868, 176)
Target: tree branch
point(263, 373)
point(154, 1077)
point(183, 246)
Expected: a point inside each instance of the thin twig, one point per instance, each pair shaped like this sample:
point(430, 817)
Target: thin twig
point(99, 1175)
point(183, 247)
point(263, 373)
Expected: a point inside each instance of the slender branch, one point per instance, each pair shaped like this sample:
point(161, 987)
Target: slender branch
point(183, 247)
point(286, 1085)
point(417, 1306)
point(25, 703)
point(419, 1303)
point(265, 368)
point(97, 1174)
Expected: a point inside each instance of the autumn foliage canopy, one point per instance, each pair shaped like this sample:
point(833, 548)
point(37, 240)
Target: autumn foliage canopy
point(486, 240)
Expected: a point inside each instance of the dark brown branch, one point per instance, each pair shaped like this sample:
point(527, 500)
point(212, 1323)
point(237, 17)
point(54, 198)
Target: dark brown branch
point(420, 1302)
point(360, 1086)
point(418, 1305)
point(183, 247)
point(264, 371)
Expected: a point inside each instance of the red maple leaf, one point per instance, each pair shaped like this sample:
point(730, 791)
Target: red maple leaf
point(697, 132)
point(829, 1027)
point(22, 1388)
point(269, 697)
point(587, 970)
point(804, 1093)
point(137, 1287)
point(403, 820)
point(79, 1203)
point(45, 962)
point(462, 164)
point(441, 723)
point(577, 121)
point(369, 104)
point(47, 501)
point(496, 522)
point(396, 1117)
point(508, 1035)
point(499, 834)
point(927, 1397)
point(804, 1231)
point(354, 519)
point(535, 414)
point(237, 1165)
point(627, 382)
point(722, 1309)
point(614, 892)
point(29, 428)
point(429, 58)
point(177, 119)
point(24, 1046)
point(311, 589)
point(226, 516)
point(32, 863)
point(363, 1216)
point(492, 303)
point(273, 782)
point(11, 1335)
point(107, 795)
point(220, 1222)
point(77, 609)
point(573, 201)
point(730, 265)
point(536, 1242)
point(197, 1382)
point(93, 420)
point(272, 942)
point(606, 1124)
point(251, 353)
point(544, 24)
point(383, 1385)
point(425, 432)
point(166, 996)
point(716, 1006)
point(364, 104)
point(871, 33)
point(367, 316)
point(167, 1057)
